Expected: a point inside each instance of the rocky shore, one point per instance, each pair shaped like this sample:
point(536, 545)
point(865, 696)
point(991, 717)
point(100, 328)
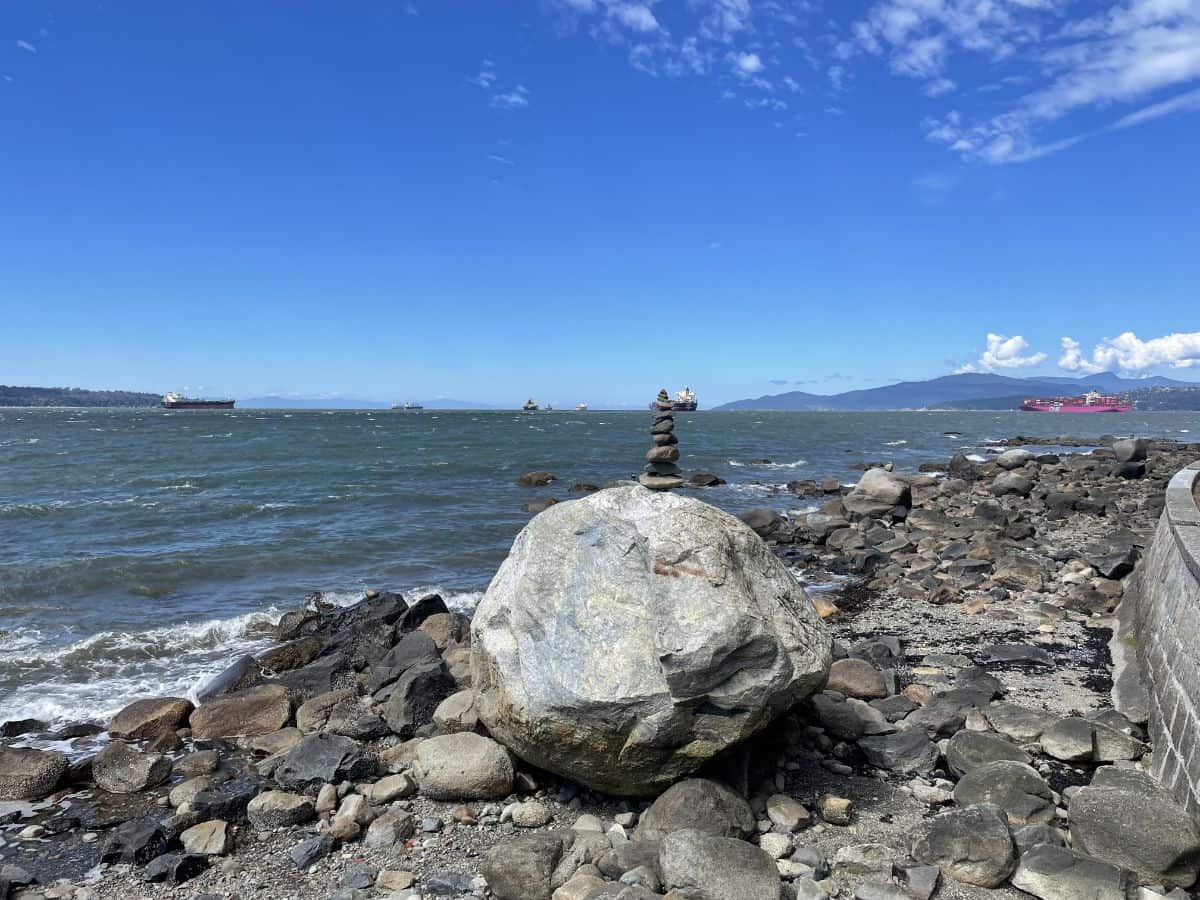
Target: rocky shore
point(965, 742)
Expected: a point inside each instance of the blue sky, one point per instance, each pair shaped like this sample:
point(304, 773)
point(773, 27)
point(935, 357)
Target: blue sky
point(589, 199)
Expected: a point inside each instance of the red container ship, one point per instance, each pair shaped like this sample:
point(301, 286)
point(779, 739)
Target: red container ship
point(1091, 402)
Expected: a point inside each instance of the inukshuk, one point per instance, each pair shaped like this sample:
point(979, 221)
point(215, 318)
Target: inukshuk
point(661, 472)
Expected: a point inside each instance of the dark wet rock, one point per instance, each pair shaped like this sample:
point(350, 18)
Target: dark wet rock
point(970, 749)
point(292, 655)
point(971, 845)
point(135, 842)
point(27, 774)
point(1056, 873)
point(1135, 824)
point(697, 803)
point(239, 675)
point(175, 868)
point(906, 751)
point(17, 727)
point(258, 710)
point(521, 868)
point(894, 708)
point(706, 867)
point(1113, 557)
point(705, 479)
point(310, 850)
point(422, 609)
point(537, 506)
point(226, 801)
point(1070, 740)
point(1013, 787)
point(326, 673)
point(414, 649)
point(416, 695)
point(323, 758)
point(120, 769)
point(938, 719)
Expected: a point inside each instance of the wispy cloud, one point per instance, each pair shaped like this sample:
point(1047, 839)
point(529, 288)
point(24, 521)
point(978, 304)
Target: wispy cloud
point(25, 45)
point(517, 98)
point(502, 160)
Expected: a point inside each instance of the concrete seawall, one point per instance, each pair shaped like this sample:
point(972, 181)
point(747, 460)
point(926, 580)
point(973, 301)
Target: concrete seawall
point(1165, 626)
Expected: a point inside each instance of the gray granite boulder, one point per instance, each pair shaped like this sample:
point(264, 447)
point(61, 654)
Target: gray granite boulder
point(971, 845)
point(146, 719)
point(699, 804)
point(877, 493)
point(631, 635)
point(1128, 820)
point(120, 769)
point(521, 869)
point(1011, 785)
point(970, 749)
point(1056, 873)
point(702, 866)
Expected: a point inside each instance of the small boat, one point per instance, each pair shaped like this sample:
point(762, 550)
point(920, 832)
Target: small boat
point(172, 400)
point(408, 406)
point(1091, 402)
point(581, 407)
point(530, 405)
point(549, 407)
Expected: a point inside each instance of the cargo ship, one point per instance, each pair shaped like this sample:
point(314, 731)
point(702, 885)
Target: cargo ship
point(171, 400)
point(1091, 402)
point(685, 401)
point(407, 406)
point(530, 405)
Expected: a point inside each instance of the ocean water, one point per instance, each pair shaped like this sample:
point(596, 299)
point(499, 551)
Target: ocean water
point(141, 550)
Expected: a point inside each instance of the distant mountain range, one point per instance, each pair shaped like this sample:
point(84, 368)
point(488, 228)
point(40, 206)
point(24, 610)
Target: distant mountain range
point(966, 391)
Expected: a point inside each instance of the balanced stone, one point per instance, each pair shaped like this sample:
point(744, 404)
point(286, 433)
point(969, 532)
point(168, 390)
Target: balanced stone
point(661, 473)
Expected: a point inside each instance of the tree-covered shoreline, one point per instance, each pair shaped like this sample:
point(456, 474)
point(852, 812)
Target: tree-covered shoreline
point(62, 396)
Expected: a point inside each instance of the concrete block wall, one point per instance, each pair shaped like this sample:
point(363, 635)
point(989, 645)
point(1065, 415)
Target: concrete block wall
point(1166, 591)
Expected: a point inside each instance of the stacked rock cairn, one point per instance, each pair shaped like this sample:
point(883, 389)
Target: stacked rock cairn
point(661, 472)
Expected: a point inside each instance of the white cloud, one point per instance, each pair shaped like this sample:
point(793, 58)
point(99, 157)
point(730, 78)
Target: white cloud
point(1004, 353)
point(517, 98)
point(486, 77)
point(747, 63)
point(503, 160)
point(25, 45)
point(1129, 353)
point(939, 87)
point(634, 16)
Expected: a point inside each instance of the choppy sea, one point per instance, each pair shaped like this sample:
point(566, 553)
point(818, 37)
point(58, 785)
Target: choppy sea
point(141, 550)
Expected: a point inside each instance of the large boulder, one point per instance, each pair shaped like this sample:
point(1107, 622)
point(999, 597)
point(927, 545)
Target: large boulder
point(119, 769)
point(1123, 817)
point(463, 766)
point(30, 774)
point(1056, 873)
point(877, 493)
point(702, 866)
point(323, 757)
point(631, 635)
point(147, 719)
point(699, 804)
point(258, 710)
point(971, 845)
